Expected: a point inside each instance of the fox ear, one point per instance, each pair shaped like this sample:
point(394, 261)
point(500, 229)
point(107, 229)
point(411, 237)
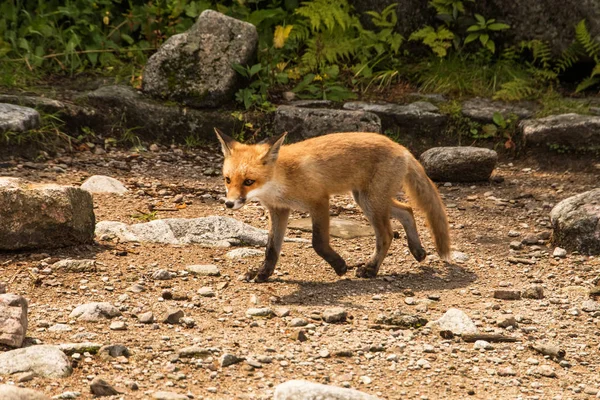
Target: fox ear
point(273, 152)
point(227, 143)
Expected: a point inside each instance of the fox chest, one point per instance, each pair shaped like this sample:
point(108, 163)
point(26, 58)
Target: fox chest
point(276, 196)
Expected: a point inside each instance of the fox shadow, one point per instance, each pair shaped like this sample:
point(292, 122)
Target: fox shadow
point(339, 292)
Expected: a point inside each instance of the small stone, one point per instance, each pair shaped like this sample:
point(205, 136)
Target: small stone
point(146, 318)
point(545, 370)
point(282, 312)
point(460, 257)
point(590, 306)
point(103, 184)
point(118, 326)
point(505, 322)
point(94, 312)
point(410, 301)
point(559, 252)
point(75, 266)
point(60, 328)
point(264, 312)
point(154, 148)
point(114, 351)
point(206, 292)
point(297, 322)
point(533, 292)
point(172, 316)
point(137, 288)
point(335, 315)
point(482, 345)
point(163, 275)
point(423, 363)
point(99, 387)
point(508, 371)
point(304, 390)
point(203, 270)
point(516, 245)
point(504, 294)
point(162, 395)
point(456, 321)
point(230, 359)
point(188, 322)
point(299, 335)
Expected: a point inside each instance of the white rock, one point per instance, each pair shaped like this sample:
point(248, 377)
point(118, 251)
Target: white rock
point(304, 390)
point(94, 311)
point(103, 184)
point(559, 252)
point(456, 321)
point(482, 345)
point(47, 361)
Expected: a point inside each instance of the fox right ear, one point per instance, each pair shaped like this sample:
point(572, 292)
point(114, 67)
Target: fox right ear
point(227, 142)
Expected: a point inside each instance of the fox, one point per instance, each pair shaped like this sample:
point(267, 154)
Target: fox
point(304, 175)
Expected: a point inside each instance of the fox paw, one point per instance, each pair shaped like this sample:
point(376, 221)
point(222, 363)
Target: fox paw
point(250, 275)
point(365, 272)
point(418, 253)
point(340, 269)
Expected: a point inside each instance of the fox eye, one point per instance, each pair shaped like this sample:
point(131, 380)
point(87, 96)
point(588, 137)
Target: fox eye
point(249, 182)
point(227, 180)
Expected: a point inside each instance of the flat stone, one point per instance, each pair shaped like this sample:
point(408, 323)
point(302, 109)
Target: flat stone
point(84, 347)
point(401, 320)
point(13, 319)
point(264, 312)
point(417, 118)
point(456, 321)
point(576, 223)
point(172, 316)
point(305, 390)
point(95, 312)
point(482, 110)
point(504, 294)
point(12, 392)
point(194, 352)
point(100, 388)
point(230, 359)
point(78, 266)
point(244, 253)
point(114, 351)
point(570, 130)
point(338, 227)
point(533, 292)
point(459, 164)
point(103, 184)
point(482, 345)
point(36, 215)
point(146, 318)
point(194, 67)
point(60, 328)
point(335, 315)
point(15, 118)
point(203, 270)
point(44, 360)
point(162, 395)
point(206, 292)
point(590, 306)
point(303, 123)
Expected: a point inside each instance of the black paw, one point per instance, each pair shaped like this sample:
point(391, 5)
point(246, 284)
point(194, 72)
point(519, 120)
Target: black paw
point(419, 253)
point(341, 268)
point(366, 272)
point(260, 278)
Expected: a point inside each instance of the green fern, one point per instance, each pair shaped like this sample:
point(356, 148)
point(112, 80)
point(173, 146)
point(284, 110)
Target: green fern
point(587, 83)
point(438, 40)
point(583, 36)
point(517, 89)
point(326, 14)
point(569, 57)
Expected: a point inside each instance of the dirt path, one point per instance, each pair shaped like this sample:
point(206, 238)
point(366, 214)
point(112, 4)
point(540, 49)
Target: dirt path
point(391, 363)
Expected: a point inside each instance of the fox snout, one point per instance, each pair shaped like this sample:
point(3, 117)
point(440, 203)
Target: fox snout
point(235, 203)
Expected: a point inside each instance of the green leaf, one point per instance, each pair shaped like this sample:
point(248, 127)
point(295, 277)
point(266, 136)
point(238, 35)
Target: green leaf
point(587, 83)
point(489, 130)
point(498, 119)
point(491, 46)
point(240, 69)
point(255, 69)
point(498, 27)
point(473, 28)
point(472, 37)
point(596, 70)
point(483, 38)
point(127, 38)
point(480, 19)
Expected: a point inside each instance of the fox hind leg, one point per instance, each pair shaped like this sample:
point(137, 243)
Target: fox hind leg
point(404, 214)
point(320, 239)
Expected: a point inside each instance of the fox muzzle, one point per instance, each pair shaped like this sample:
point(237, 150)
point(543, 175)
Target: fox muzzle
point(235, 204)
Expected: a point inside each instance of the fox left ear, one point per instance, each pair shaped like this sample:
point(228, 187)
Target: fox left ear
point(273, 152)
point(227, 142)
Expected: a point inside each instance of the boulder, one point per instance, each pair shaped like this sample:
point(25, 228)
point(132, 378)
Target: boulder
point(13, 319)
point(15, 118)
point(43, 215)
point(11, 392)
point(194, 67)
point(46, 361)
point(570, 130)
point(126, 107)
point(303, 123)
point(305, 390)
point(418, 118)
point(576, 223)
point(482, 110)
point(459, 164)
point(103, 184)
point(210, 231)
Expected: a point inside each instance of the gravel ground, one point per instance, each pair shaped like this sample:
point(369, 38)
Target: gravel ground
point(499, 229)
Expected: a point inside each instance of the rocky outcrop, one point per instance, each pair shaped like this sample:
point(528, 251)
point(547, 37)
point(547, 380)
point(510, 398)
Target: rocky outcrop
point(304, 123)
point(43, 215)
point(194, 67)
point(459, 164)
point(581, 132)
point(418, 118)
point(18, 119)
point(13, 319)
point(125, 107)
point(576, 223)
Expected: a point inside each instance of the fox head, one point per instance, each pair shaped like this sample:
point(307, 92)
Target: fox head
point(247, 168)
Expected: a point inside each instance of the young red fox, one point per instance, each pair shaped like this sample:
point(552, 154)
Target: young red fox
point(304, 175)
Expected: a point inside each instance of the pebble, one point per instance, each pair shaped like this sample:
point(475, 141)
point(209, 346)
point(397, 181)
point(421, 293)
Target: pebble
point(228, 359)
point(504, 294)
point(482, 345)
point(296, 322)
point(146, 318)
point(203, 270)
point(559, 252)
point(533, 292)
point(206, 292)
point(118, 326)
point(335, 315)
point(264, 312)
point(99, 387)
point(163, 275)
point(172, 316)
point(298, 335)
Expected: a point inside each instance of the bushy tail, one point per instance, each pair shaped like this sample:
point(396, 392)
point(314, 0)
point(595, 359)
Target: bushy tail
point(424, 193)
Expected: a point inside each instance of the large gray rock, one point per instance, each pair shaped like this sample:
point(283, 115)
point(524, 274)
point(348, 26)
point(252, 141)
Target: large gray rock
point(126, 107)
point(554, 19)
point(37, 215)
point(12, 392)
point(18, 119)
point(305, 390)
point(194, 67)
point(47, 361)
point(571, 130)
point(210, 231)
point(103, 184)
point(417, 118)
point(576, 223)
point(303, 123)
point(456, 321)
point(13, 319)
point(482, 110)
point(95, 311)
point(459, 164)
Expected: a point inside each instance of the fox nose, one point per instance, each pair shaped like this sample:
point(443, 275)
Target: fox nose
point(229, 204)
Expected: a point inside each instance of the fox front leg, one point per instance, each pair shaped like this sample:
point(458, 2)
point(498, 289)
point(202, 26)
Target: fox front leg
point(279, 219)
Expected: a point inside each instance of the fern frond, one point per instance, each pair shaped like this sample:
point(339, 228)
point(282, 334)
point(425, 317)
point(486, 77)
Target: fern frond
point(326, 15)
point(514, 90)
point(583, 36)
point(569, 57)
point(587, 83)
